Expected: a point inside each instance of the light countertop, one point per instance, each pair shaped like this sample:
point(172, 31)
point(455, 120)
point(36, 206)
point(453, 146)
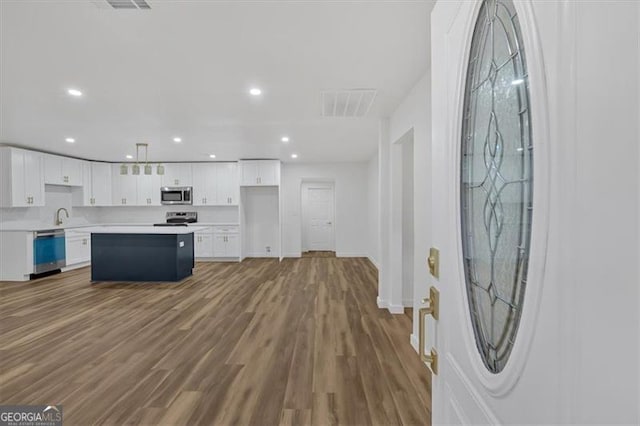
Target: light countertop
point(30, 227)
point(149, 229)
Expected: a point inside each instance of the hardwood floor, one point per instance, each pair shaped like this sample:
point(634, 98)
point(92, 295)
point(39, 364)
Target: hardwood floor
point(256, 343)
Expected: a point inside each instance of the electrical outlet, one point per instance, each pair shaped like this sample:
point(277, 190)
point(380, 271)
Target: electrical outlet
point(268, 249)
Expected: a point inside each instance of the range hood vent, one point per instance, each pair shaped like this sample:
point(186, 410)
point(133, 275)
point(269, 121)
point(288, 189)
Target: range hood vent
point(349, 103)
point(128, 4)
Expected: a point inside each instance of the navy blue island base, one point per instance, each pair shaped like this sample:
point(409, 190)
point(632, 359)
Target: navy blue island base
point(141, 257)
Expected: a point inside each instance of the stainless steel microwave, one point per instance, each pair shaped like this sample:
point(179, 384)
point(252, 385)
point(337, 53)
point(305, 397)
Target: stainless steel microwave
point(176, 195)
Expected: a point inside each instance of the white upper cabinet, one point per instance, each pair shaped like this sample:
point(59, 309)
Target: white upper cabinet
point(62, 170)
point(124, 187)
point(260, 172)
point(177, 174)
point(228, 192)
point(101, 183)
point(215, 184)
point(135, 190)
point(205, 184)
point(21, 178)
point(148, 189)
point(96, 185)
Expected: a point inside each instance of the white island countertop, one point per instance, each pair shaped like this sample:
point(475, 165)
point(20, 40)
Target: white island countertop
point(149, 229)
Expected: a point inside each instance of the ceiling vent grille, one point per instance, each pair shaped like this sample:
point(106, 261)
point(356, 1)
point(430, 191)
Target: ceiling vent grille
point(350, 103)
point(128, 4)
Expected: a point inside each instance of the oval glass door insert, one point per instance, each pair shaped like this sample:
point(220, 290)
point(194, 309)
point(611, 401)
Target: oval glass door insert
point(496, 181)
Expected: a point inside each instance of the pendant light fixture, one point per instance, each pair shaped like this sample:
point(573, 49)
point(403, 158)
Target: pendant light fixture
point(136, 167)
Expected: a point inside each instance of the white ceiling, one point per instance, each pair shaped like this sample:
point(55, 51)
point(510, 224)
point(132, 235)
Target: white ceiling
point(184, 69)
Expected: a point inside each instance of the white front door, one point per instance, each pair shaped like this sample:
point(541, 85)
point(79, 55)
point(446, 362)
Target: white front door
point(318, 210)
point(538, 293)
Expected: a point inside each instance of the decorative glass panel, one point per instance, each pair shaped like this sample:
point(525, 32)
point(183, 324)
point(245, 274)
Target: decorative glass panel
point(496, 180)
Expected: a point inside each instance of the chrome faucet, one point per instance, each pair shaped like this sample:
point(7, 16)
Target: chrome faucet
point(58, 220)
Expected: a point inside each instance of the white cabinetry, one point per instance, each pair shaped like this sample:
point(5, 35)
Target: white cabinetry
point(148, 190)
point(124, 188)
point(77, 247)
point(16, 248)
point(215, 184)
point(226, 242)
point(96, 185)
point(62, 170)
point(227, 179)
point(260, 172)
point(135, 190)
point(205, 184)
point(21, 179)
point(177, 174)
point(203, 244)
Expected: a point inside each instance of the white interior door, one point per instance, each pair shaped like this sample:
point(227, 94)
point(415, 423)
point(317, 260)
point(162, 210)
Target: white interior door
point(318, 208)
point(527, 350)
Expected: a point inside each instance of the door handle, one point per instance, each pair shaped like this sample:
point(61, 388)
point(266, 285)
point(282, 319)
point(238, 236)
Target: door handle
point(432, 309)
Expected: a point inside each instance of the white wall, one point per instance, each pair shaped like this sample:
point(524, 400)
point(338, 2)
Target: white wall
point(373, 208)
point(413, 114)
point(352, 216)
point(408, 239)
point(156, 214)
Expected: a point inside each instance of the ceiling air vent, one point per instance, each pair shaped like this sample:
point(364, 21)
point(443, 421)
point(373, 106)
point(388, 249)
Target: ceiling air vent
point(352, 103)
point(128, 4)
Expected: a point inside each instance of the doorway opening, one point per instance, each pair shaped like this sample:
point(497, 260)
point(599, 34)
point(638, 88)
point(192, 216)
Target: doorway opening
point(318, 218)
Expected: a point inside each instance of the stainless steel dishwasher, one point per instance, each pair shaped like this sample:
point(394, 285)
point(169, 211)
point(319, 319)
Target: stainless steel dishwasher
point(48, 250)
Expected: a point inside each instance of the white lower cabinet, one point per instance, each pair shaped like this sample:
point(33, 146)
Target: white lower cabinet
point(226, 245)
point(217, 242)
point(77, 247)
point(226, 241)
point(203, 244)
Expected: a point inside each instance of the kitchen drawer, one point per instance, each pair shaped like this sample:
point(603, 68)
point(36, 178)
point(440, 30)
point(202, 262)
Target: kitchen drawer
point(223, 229)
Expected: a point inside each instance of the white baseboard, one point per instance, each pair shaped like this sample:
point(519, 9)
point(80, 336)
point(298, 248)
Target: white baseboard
point(393, 309)
point(292, 255)
point(396, 309)
point(374, 261)
point(415, 342)
point(342, 254)
point(260, 255)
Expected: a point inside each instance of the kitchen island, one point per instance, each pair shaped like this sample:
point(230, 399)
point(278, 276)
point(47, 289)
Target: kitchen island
point(141, 253)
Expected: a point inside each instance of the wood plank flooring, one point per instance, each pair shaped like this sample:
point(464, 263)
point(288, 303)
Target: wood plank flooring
point(300, 342)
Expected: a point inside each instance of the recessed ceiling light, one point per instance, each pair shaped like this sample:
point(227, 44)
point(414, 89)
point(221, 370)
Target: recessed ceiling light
point(130, 157)
point(518, 81)
point(74, 92)
point(70, 140)
point(285, 139)
point(177, 140)
point(212, 156)
point(294, 155)
point(255, 91)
